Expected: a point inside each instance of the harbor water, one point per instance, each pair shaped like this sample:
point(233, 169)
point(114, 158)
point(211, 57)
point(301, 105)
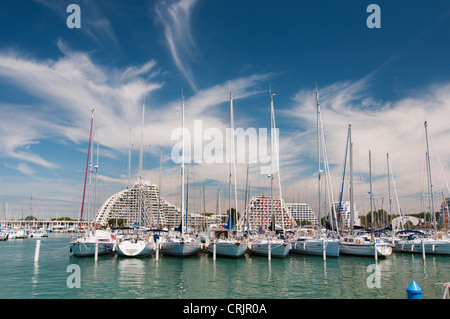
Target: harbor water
point(57, 274)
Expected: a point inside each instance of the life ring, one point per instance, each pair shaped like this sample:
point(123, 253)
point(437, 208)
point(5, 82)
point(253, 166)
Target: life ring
point(220, 226)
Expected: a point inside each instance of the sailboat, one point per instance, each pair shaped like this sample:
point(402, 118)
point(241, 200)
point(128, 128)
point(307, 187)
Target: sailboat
point(181, 242)
point(310, 241)
point(133, 242)
point(225, 242)
point(268, 243)
point(417, 243)
point(94, 239)
point(137, 244)
point(363, 245)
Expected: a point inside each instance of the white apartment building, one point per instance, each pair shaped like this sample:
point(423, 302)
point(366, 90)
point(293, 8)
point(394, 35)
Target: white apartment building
point(302, 212)
point(345, 214)
point(261, 209)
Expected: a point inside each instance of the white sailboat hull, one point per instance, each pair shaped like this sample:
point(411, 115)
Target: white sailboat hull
point(19, 234)
point(180, 248)
point(141, 248)
point(314, 246)
point(229, 249)
point(277, 249)
point(434, 247)
point(383, 250)
point(85, 246)
point(80, 249)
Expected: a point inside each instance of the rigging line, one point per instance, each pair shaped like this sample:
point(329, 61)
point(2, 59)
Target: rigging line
point(343, 176)
point(327, 172)
point(396, 195)
point(439, 161)
point(276, 147)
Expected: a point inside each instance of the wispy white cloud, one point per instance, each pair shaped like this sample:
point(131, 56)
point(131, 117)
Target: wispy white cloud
point(394, 127)
point(64, 91)
point(23, 168)
point(176, 20)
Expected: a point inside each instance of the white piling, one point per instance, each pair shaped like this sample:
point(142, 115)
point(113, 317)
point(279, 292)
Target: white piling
point(214, 250)
point(423, 249)
point(269, 253)
point(376, 251)
point(36, 252)
point(157, 249)
point(96, 252)
point(324, 250)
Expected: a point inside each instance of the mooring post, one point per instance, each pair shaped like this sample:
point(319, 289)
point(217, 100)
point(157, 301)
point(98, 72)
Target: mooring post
point(96, 251)
point(376, 252)
point(157, 249)
point(423, 249)
point(36, 252)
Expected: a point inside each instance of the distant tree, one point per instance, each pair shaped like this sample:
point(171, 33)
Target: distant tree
point(30, 218)
point(304, 222)
point(112, 222)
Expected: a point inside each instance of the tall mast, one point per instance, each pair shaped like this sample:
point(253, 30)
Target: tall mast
point(218, 210)
point(182, 166)
point(271, 158)
point(87, 166)
point(96, 174)
point(204, 208)
point(389, 186)
point(352, 204)
point(231, 160)
point(129, 158)
point(371, 193)
point(234, 162)
point(31, 208)
point(159, 186)
point(141, 153)
point(430, 183)
point(187, 197)
point(245, 221)
point(318, 157)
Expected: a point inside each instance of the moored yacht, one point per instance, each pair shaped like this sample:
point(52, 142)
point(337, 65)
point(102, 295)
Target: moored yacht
point(416, 242)
point(306, 242)
point(224, 245)
point(359, 245)
point(84, 246)
point(274, 246)
point(182, 244)
point(134, 243)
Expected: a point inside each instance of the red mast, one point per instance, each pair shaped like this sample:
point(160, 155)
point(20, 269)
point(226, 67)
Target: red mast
point(87, 165)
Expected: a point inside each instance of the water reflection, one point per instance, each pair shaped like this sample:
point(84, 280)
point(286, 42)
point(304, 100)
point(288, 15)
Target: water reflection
point(296, 276)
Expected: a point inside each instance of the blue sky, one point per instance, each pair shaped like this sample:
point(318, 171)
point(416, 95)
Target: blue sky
point(385, 82)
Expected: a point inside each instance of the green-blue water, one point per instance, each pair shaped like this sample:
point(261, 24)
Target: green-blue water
point(294, 277)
